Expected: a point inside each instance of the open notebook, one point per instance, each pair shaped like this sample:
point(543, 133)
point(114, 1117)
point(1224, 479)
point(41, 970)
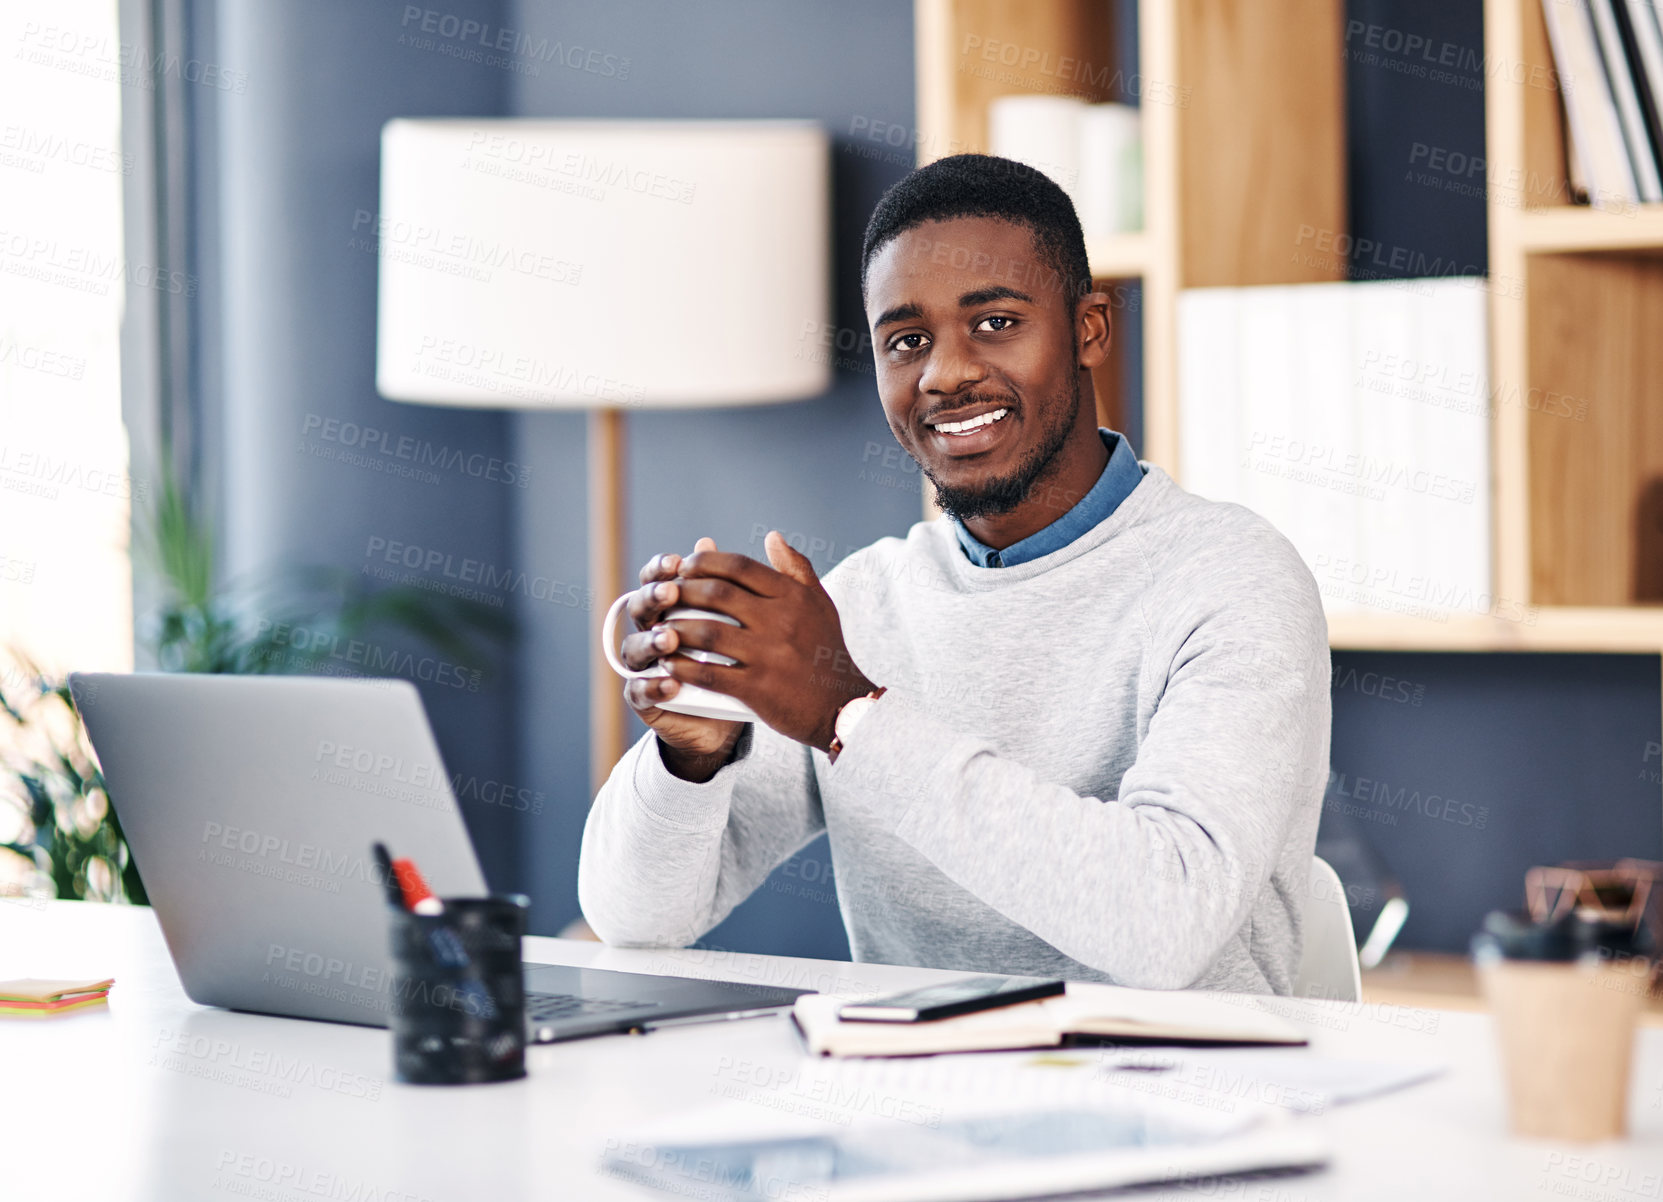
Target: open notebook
point(1086, 1013)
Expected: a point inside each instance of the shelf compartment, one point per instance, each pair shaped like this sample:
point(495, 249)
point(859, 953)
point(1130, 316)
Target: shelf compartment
point(1593, 416)
point(970, 52)
point(1258, 181)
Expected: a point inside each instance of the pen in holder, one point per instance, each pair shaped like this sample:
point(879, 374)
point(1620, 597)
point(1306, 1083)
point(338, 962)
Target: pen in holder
point(458, 1014)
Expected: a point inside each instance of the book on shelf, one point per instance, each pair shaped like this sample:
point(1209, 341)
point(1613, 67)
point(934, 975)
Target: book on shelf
point(1265, 383)
point(1614, 57)
point(1452, 435)
point(1041, 131)
point(1094, 152)
point(1642, 36)
point(1581, 190)
point(1608, 55)
point(1355, 418)
point(1383, 568)
point(1325, 377)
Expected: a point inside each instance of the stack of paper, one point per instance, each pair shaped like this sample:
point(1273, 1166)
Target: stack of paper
point(31, 998)
point(1355, 418)
point(996, 1125)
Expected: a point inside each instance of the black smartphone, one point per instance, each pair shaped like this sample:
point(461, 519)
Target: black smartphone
point(952, 997)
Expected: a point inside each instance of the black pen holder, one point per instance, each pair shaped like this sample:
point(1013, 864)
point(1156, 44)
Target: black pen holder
point(458, 1004)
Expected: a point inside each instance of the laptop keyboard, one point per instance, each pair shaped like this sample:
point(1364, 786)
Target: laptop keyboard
point(551, 1007)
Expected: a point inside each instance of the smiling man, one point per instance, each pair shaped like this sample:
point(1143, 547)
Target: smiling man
point(1076, 727)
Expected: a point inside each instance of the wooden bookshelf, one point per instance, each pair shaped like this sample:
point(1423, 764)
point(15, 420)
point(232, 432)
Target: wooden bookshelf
point(1244, 156)
point(1576, 348)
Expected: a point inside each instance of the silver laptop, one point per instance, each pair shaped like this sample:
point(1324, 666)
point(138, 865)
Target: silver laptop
point(250, 804)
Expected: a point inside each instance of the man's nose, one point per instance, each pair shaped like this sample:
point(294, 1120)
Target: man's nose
point(953, 365)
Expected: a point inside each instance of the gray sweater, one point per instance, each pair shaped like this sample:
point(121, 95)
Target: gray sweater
point(1106, 764)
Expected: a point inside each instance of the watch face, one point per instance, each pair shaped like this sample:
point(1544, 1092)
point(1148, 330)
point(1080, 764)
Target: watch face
point(849, 716)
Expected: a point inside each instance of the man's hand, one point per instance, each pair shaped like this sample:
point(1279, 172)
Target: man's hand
point(792, 666)
point(691, 748)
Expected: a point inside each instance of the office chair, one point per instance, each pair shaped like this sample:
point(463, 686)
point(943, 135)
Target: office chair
point(1328, 963)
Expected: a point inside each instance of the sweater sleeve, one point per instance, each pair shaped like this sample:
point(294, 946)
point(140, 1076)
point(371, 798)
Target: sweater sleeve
point(1147, 886)
point(665, 859)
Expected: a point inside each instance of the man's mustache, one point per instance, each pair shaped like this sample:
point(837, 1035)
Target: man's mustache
point(1005, 400)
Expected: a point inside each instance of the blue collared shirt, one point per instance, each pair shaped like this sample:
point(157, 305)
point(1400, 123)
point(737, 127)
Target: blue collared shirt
point(1120, 476)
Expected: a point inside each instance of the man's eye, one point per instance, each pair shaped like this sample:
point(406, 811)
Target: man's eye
point(907, 342)
point(997, 324)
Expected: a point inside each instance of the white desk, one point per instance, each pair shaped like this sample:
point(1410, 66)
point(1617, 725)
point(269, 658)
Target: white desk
point(148, 1101)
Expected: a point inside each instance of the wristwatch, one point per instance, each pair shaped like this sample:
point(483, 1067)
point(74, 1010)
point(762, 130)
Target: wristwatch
point(848, 717)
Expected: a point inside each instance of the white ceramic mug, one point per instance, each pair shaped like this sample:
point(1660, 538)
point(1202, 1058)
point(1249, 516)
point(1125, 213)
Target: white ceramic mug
point(690, 698)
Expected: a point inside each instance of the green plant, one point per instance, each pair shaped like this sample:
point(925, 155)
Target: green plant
point(65, 839)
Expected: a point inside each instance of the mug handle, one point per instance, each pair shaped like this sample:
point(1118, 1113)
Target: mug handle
point(609, 641)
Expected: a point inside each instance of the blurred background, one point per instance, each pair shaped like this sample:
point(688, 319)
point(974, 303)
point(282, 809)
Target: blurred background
point(197, 471)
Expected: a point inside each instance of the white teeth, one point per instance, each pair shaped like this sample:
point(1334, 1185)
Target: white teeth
point(974, 423)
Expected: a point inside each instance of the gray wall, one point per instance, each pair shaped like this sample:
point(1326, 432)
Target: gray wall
point(1517, 760)
point(290, 299)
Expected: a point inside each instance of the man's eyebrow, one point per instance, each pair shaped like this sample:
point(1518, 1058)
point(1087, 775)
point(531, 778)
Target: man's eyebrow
point(907, 312)
point(911, 312)
point(997, 292)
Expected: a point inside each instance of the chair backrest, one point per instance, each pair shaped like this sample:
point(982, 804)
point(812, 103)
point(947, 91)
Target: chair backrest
point(1328, 962)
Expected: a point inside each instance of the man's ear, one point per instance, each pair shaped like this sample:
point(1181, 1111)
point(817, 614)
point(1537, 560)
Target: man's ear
point(1093, 328)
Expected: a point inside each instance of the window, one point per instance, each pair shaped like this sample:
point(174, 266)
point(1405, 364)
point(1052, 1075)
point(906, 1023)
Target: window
point(66, 594)
point(65, 583)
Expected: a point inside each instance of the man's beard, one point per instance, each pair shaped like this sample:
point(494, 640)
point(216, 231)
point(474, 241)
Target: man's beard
point(1004, 493)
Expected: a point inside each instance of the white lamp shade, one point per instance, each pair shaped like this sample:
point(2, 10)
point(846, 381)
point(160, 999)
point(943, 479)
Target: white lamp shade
point(603, 264)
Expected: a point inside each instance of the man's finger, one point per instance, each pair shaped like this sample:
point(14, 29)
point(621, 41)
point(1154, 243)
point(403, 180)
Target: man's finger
point(643, 649)
point(644, 694)
point(702, 634)
point(723, 596)
point(788, 560)
point(660, 567)
point(718, 678)
point(650, 600)
point(742, 570)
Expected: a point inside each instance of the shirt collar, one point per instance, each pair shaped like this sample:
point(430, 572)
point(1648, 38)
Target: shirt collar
point(1120, 476)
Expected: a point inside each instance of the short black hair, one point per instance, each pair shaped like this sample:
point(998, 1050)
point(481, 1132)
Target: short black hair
point(984, 185)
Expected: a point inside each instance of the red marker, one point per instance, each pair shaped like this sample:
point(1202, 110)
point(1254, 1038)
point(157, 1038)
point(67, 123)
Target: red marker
point(417, 896)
